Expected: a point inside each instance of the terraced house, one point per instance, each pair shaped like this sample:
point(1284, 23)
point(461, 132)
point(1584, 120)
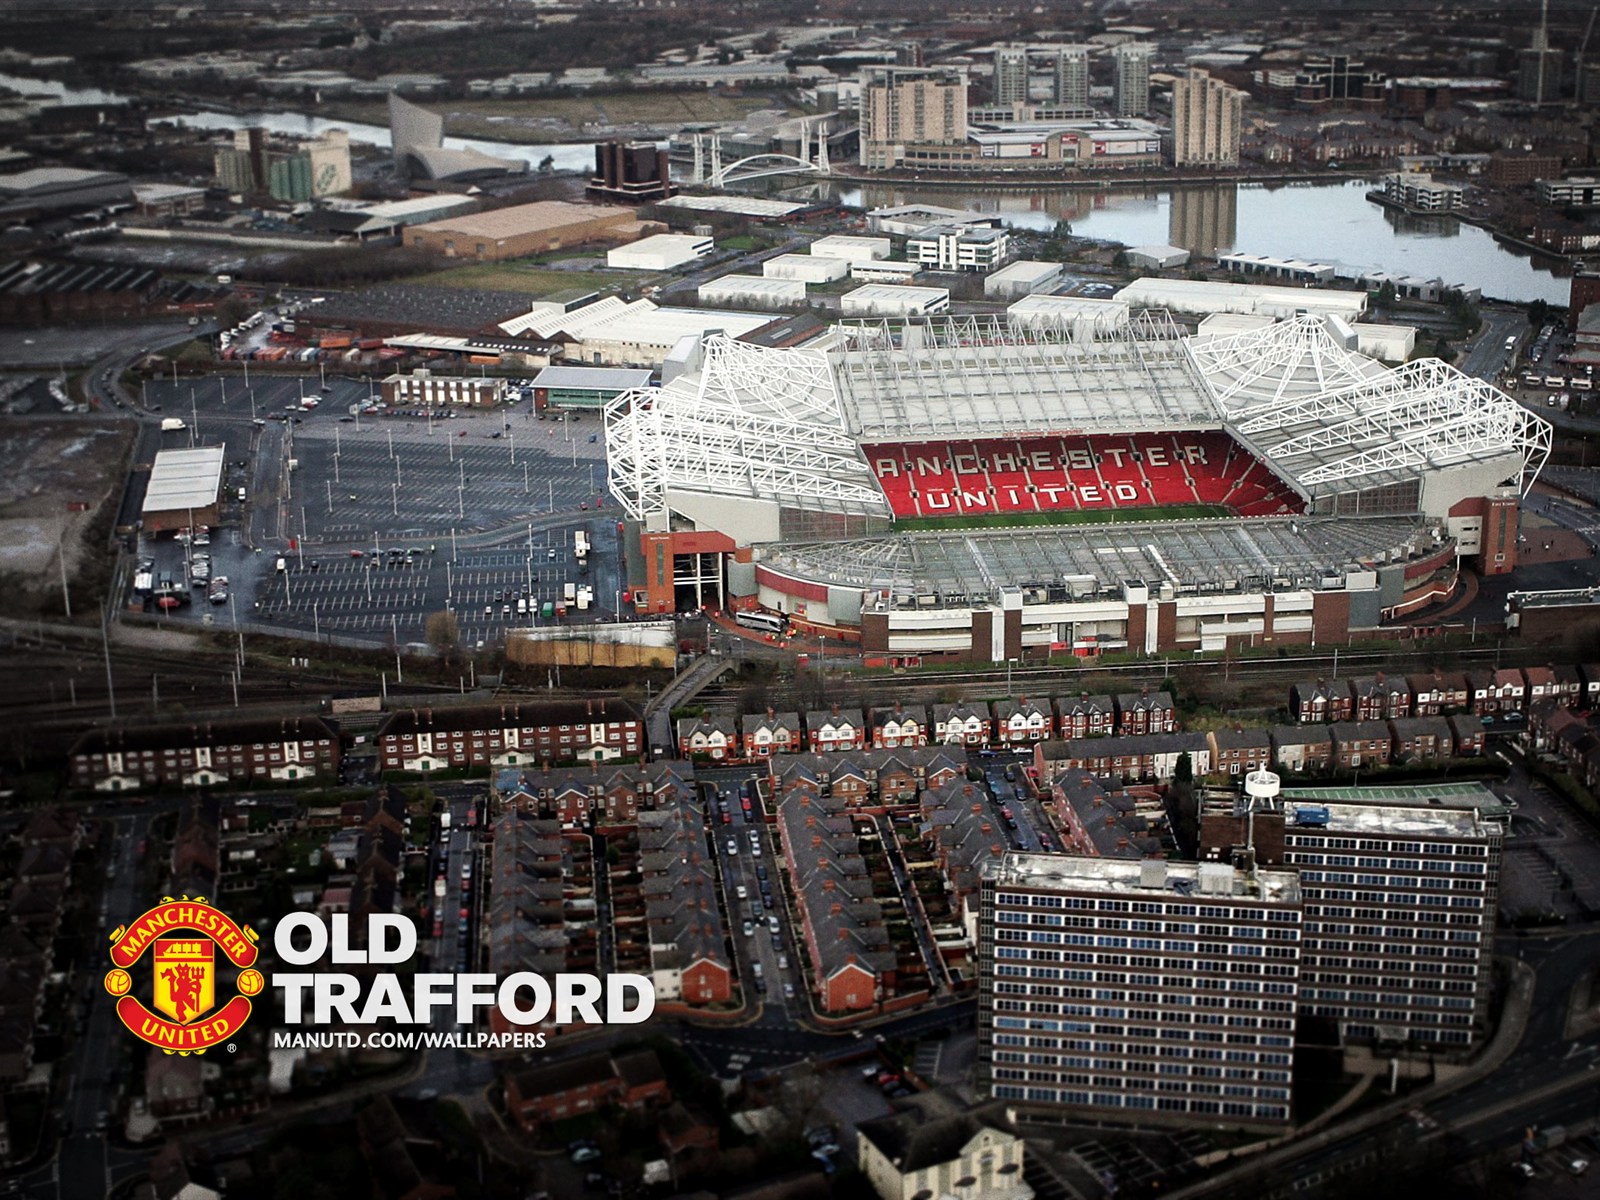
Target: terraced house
point(510, 735)
point(769, 733)
point(1022, 722)
point(961, 724)
point(287, 749)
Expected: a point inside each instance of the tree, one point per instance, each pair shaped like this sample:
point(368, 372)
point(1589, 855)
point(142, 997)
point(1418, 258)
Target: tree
point(547, 164)
point(443, 632)
point(1183, 769)
point(1538, 312)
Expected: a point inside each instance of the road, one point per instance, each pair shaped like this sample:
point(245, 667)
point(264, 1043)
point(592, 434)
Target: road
point(1486, 356)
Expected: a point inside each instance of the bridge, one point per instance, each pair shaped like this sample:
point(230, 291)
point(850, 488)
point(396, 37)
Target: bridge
point(710, 171)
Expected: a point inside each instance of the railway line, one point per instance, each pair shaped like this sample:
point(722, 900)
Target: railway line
point(927, 687)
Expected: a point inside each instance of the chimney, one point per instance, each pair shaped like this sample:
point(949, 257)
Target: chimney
point(816, 841)
point(827, 885)
point(589, 707)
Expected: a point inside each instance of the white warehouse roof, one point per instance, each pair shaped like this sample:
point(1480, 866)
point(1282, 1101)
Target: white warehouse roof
point(181, 479)
point(757, 289)
point(1200, 297)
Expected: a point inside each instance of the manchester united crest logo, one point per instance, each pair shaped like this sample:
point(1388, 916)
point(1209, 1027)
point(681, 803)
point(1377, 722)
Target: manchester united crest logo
point(184, 937)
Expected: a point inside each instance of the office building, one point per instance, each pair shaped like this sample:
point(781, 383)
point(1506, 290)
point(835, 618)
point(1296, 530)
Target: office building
point(1207, 119)
point(959, 248)
point(1141, 990)
point(1338, 81)
point(1130, 79)
point(911, 106)
point(1577, 191)
point(1399, 887)
point(1070, 66)
point(629, 172)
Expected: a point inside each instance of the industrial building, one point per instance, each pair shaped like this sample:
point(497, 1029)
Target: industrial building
point(617, 332)
point(807, 268)
point(852, 249)
point(659, 252)
point(754, 291)
point(1026, 278)
point(1157, 258)
point(159, 201)
point(882, 271)
point(1201, 298)
point(1156, 1026)
point(522, 229)
point(1292, 270)
point(892, 300)
point(184, 489)
point(390, 218)
point(52, 191)
point(583, 388)
point(293, 172)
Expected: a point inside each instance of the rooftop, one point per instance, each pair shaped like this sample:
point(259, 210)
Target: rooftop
point(527, 218)
point(1393, 820)
point(1070, 871)
point(182, 479)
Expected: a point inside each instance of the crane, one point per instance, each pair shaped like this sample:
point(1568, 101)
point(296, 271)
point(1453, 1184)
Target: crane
point(1578, 88)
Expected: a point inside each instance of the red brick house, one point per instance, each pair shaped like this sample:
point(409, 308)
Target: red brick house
point(1421, 739)
point(1359, 744)
point(835, 729)
point(769, 733)
point(1318, 700)
point(1379, 697)
point(283, 749)
point(1022, 722)
point(712, 737)
point(961, 724)
point(899, 726)
point(1145, 712)
point(510, 735)
point(633, 1082)
point(1086, 716)
point(1434, 694)
point(1239, 751)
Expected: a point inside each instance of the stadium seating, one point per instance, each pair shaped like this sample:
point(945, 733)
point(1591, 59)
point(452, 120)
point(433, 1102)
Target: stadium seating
point(999, 476)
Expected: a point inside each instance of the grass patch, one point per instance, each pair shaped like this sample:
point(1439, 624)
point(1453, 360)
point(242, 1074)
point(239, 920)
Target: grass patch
point(523, 277)
point(1107, 516)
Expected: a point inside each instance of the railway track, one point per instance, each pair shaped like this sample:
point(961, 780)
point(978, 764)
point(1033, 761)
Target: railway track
point(926, 687)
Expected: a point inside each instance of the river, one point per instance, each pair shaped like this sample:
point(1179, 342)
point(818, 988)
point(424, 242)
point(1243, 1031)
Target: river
point(1332, 223)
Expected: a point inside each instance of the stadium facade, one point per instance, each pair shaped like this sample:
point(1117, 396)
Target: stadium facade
point(985, 489)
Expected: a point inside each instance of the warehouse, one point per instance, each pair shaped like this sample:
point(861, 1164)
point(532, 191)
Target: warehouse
point(1157, 258)
point(583, 387)
point(47, 191)
point(1024, 278)
point(851, 249)
point(158, 201)
point(184, 489)
point(808, 268)
point(892, 300)
point(1390, 343)
point(659, 252)
point(1201, 298)
point(523, 229)
point(883, 271)
point(754, 291)
point(365, 221)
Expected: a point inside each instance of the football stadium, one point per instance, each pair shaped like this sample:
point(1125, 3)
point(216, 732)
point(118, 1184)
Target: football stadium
point(983, 489)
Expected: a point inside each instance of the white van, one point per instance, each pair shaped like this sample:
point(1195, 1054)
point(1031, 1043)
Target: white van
point(522, 606)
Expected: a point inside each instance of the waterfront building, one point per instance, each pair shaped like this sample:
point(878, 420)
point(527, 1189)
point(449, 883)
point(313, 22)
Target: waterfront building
point(1207, 117)
point(911, 106)
point(1130, 79)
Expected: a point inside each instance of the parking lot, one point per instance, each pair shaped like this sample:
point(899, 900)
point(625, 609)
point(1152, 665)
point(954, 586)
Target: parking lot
point(382, 519)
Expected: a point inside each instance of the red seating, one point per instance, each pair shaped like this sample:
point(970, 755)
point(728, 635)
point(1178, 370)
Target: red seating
point(997, 475)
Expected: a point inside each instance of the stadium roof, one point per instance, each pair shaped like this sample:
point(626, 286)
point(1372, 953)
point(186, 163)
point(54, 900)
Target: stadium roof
point(184, 479)
point(1331, 420)
point(984, 376)
point(960, 566)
